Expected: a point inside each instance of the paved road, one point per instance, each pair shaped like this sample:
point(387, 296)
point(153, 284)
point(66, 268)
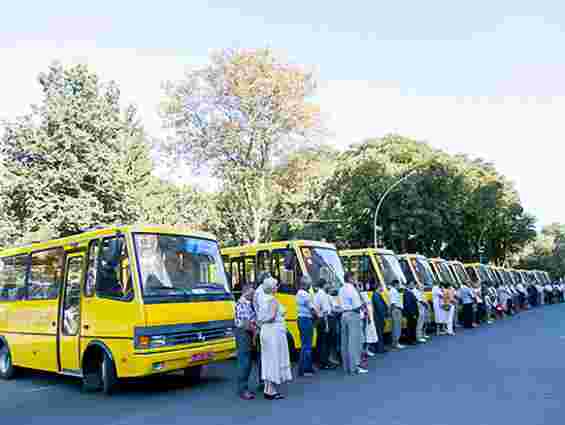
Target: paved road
point(511, 372)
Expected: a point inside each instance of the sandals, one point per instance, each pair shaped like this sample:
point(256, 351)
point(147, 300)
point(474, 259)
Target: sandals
point(276, 396)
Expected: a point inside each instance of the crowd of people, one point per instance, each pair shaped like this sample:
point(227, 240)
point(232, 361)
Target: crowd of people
point(350, 326)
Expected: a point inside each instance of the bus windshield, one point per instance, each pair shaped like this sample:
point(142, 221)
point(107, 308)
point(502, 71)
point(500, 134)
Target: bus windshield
point(173, 267)
point(460, 271)
point(323, 263)
point(391, 269)
point(486, 274)
point(424, 271)
point(444, 272)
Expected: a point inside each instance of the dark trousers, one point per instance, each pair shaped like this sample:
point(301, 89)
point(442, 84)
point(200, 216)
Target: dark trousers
point(411, 323)
point(481, 313)
point(468, 315)
point(244, 359)
point(380, 325)
point(323, 342)
point(306, 328)
point(335, 335)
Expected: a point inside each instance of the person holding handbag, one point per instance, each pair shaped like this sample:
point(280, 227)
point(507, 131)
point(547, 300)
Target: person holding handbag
point(245, 333)
point(307, 313)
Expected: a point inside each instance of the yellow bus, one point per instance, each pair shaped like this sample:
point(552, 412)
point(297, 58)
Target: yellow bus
point(374, 267)
point(287, 261)
point(115, 302)
point(443, 271)
point(460, 273)
point(417, 268)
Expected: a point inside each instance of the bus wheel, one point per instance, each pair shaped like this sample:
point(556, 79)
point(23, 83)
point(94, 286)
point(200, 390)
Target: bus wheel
point(99, 372)
point(108, 375)
point(7, 369)
point(193, 374)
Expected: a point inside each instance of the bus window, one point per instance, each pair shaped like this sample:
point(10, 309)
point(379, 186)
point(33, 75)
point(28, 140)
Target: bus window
point(323, 263)
point(114, 278)
point(406, 269)
point(285, 269)
point(250, 270)
point(236, 274)
point(13, 278)
point(46, 274)
point(263, 261)
point(362, 271)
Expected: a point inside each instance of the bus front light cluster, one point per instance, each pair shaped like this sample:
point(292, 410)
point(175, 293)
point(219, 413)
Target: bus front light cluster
point(145, 342)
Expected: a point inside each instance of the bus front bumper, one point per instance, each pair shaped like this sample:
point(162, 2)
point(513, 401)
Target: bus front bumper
point(170, 359)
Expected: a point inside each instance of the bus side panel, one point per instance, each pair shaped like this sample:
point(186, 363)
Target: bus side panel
point(32, 336)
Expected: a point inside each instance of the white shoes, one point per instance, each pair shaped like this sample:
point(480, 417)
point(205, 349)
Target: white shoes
point(361, 371)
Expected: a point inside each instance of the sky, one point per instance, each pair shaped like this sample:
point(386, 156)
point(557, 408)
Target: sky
point(485, 78)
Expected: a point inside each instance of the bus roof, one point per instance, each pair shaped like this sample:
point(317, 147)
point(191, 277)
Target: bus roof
point(276, 245)
point(366, 251)
point(80, 238)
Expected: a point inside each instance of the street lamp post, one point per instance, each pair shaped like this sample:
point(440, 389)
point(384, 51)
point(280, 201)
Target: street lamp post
point(390, 189)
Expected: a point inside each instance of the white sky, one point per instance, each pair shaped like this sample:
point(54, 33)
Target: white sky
point(521, 135)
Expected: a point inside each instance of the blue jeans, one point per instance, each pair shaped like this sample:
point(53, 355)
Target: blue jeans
point(306, 328)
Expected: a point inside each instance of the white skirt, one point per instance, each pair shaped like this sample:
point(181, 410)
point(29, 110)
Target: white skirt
point(275, 359)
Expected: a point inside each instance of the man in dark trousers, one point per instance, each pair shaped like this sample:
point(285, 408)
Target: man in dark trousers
point(380, 309)
point(410, 311)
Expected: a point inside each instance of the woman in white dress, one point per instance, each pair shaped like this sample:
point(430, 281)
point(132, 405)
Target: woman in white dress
point(441, 315)
point(371, 336)
point(275, 358)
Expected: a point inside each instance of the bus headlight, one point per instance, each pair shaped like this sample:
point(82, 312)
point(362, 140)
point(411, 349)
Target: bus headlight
point(145, 342)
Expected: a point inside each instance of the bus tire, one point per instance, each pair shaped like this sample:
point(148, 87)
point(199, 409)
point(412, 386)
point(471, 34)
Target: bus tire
point(193, 373)
point(108, 375)
point(7, 369)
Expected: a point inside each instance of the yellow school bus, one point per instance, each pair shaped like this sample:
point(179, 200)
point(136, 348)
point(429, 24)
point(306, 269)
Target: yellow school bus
point(287, 261)
point(115, 302)
point(417, 267)
point(374, 267)
point(460, 273)
point(443, 271)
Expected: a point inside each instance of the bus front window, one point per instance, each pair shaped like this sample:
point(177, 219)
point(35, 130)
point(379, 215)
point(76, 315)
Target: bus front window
point(391, 269)
point(323, 263)
point(424, 272)
point(181, 267)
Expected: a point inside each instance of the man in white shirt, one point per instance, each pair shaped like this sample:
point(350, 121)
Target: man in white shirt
point(396, 313)
point(422, 312)
point(541, 297)
point(323, 304)
point(351, 338)
point(548, 293)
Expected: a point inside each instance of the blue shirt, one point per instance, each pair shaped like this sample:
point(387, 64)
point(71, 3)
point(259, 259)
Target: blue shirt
point(304, 304)
point(466, 294)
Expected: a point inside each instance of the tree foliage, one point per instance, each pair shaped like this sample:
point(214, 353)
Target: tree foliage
point(66, 157)
point(239, 116)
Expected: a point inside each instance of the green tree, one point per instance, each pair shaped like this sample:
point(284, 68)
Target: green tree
point(239, 116)
point(66, 157)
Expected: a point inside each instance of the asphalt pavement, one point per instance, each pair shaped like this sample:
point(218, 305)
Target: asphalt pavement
point(510, 372)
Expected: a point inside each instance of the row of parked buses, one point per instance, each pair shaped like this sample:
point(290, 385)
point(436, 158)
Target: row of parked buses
point(132, 301)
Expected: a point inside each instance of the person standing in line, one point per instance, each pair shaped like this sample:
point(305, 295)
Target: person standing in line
point(411, 313)
point(350, 326)
point(306, 315)
point(548, 293)
point(421, 336)
point(467, 297)
point(540, 290)
point(380, 312)
point(275, 357)
point(371, 336)
point(323, 304)
point(245, 331)
point(396, 313)
point(450, 300)
point(334, 320)
point(440, 314)
point(257, 300)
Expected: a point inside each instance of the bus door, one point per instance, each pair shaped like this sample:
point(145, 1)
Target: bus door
point(70, 313)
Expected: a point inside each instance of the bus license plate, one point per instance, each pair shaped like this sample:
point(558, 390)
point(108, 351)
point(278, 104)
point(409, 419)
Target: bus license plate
point(202, 356)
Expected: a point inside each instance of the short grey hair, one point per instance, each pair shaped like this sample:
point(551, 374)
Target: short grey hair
point(269, 285)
